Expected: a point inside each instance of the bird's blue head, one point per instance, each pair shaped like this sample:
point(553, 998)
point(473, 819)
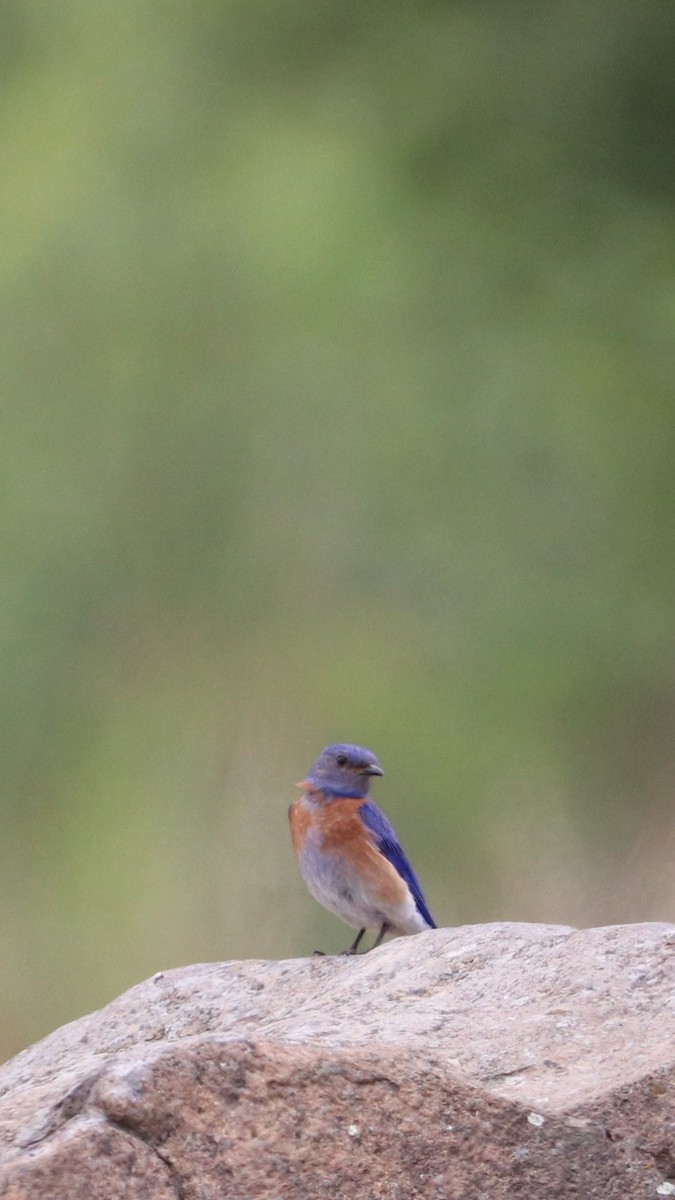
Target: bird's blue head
point(344, 770)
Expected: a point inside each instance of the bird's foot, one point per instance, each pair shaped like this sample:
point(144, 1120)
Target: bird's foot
point(353, 949)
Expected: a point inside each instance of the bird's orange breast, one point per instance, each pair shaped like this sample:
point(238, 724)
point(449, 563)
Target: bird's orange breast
point(341, 833)
point(300, 817)
point(336, 822)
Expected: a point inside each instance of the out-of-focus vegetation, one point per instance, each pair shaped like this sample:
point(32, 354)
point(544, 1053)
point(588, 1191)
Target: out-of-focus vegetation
point(337, 403)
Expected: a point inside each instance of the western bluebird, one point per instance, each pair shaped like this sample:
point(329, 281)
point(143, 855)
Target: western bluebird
point(349, 854)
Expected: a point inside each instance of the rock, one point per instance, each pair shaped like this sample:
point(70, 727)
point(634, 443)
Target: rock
point(484, 1062)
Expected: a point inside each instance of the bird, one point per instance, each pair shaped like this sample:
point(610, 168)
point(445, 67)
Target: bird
point(348, 853)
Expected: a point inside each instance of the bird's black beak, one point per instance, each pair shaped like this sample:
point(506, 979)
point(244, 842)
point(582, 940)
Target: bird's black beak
point(372, 769)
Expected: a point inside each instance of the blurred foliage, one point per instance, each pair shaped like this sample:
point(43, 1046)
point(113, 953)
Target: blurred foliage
point(337, 370)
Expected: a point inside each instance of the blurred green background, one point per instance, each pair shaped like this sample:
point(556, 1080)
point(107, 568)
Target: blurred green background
point(337, 403)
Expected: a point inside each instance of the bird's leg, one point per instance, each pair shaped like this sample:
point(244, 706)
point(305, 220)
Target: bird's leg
point(380, 935)
point(355, 944)
point(353, 949)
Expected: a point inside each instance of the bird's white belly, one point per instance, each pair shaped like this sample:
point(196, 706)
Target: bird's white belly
point(342, 891)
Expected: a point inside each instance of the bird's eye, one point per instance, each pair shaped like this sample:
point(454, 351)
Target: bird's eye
point(342, 760)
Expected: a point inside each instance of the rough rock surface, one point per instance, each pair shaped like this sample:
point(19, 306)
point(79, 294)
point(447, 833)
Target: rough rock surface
point(482, 1062)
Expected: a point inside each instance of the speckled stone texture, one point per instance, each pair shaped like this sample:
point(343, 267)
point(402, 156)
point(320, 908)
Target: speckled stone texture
point(480, 1063)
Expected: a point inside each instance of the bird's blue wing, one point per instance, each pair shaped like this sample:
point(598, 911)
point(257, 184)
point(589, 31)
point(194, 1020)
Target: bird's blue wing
point(388, 845)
